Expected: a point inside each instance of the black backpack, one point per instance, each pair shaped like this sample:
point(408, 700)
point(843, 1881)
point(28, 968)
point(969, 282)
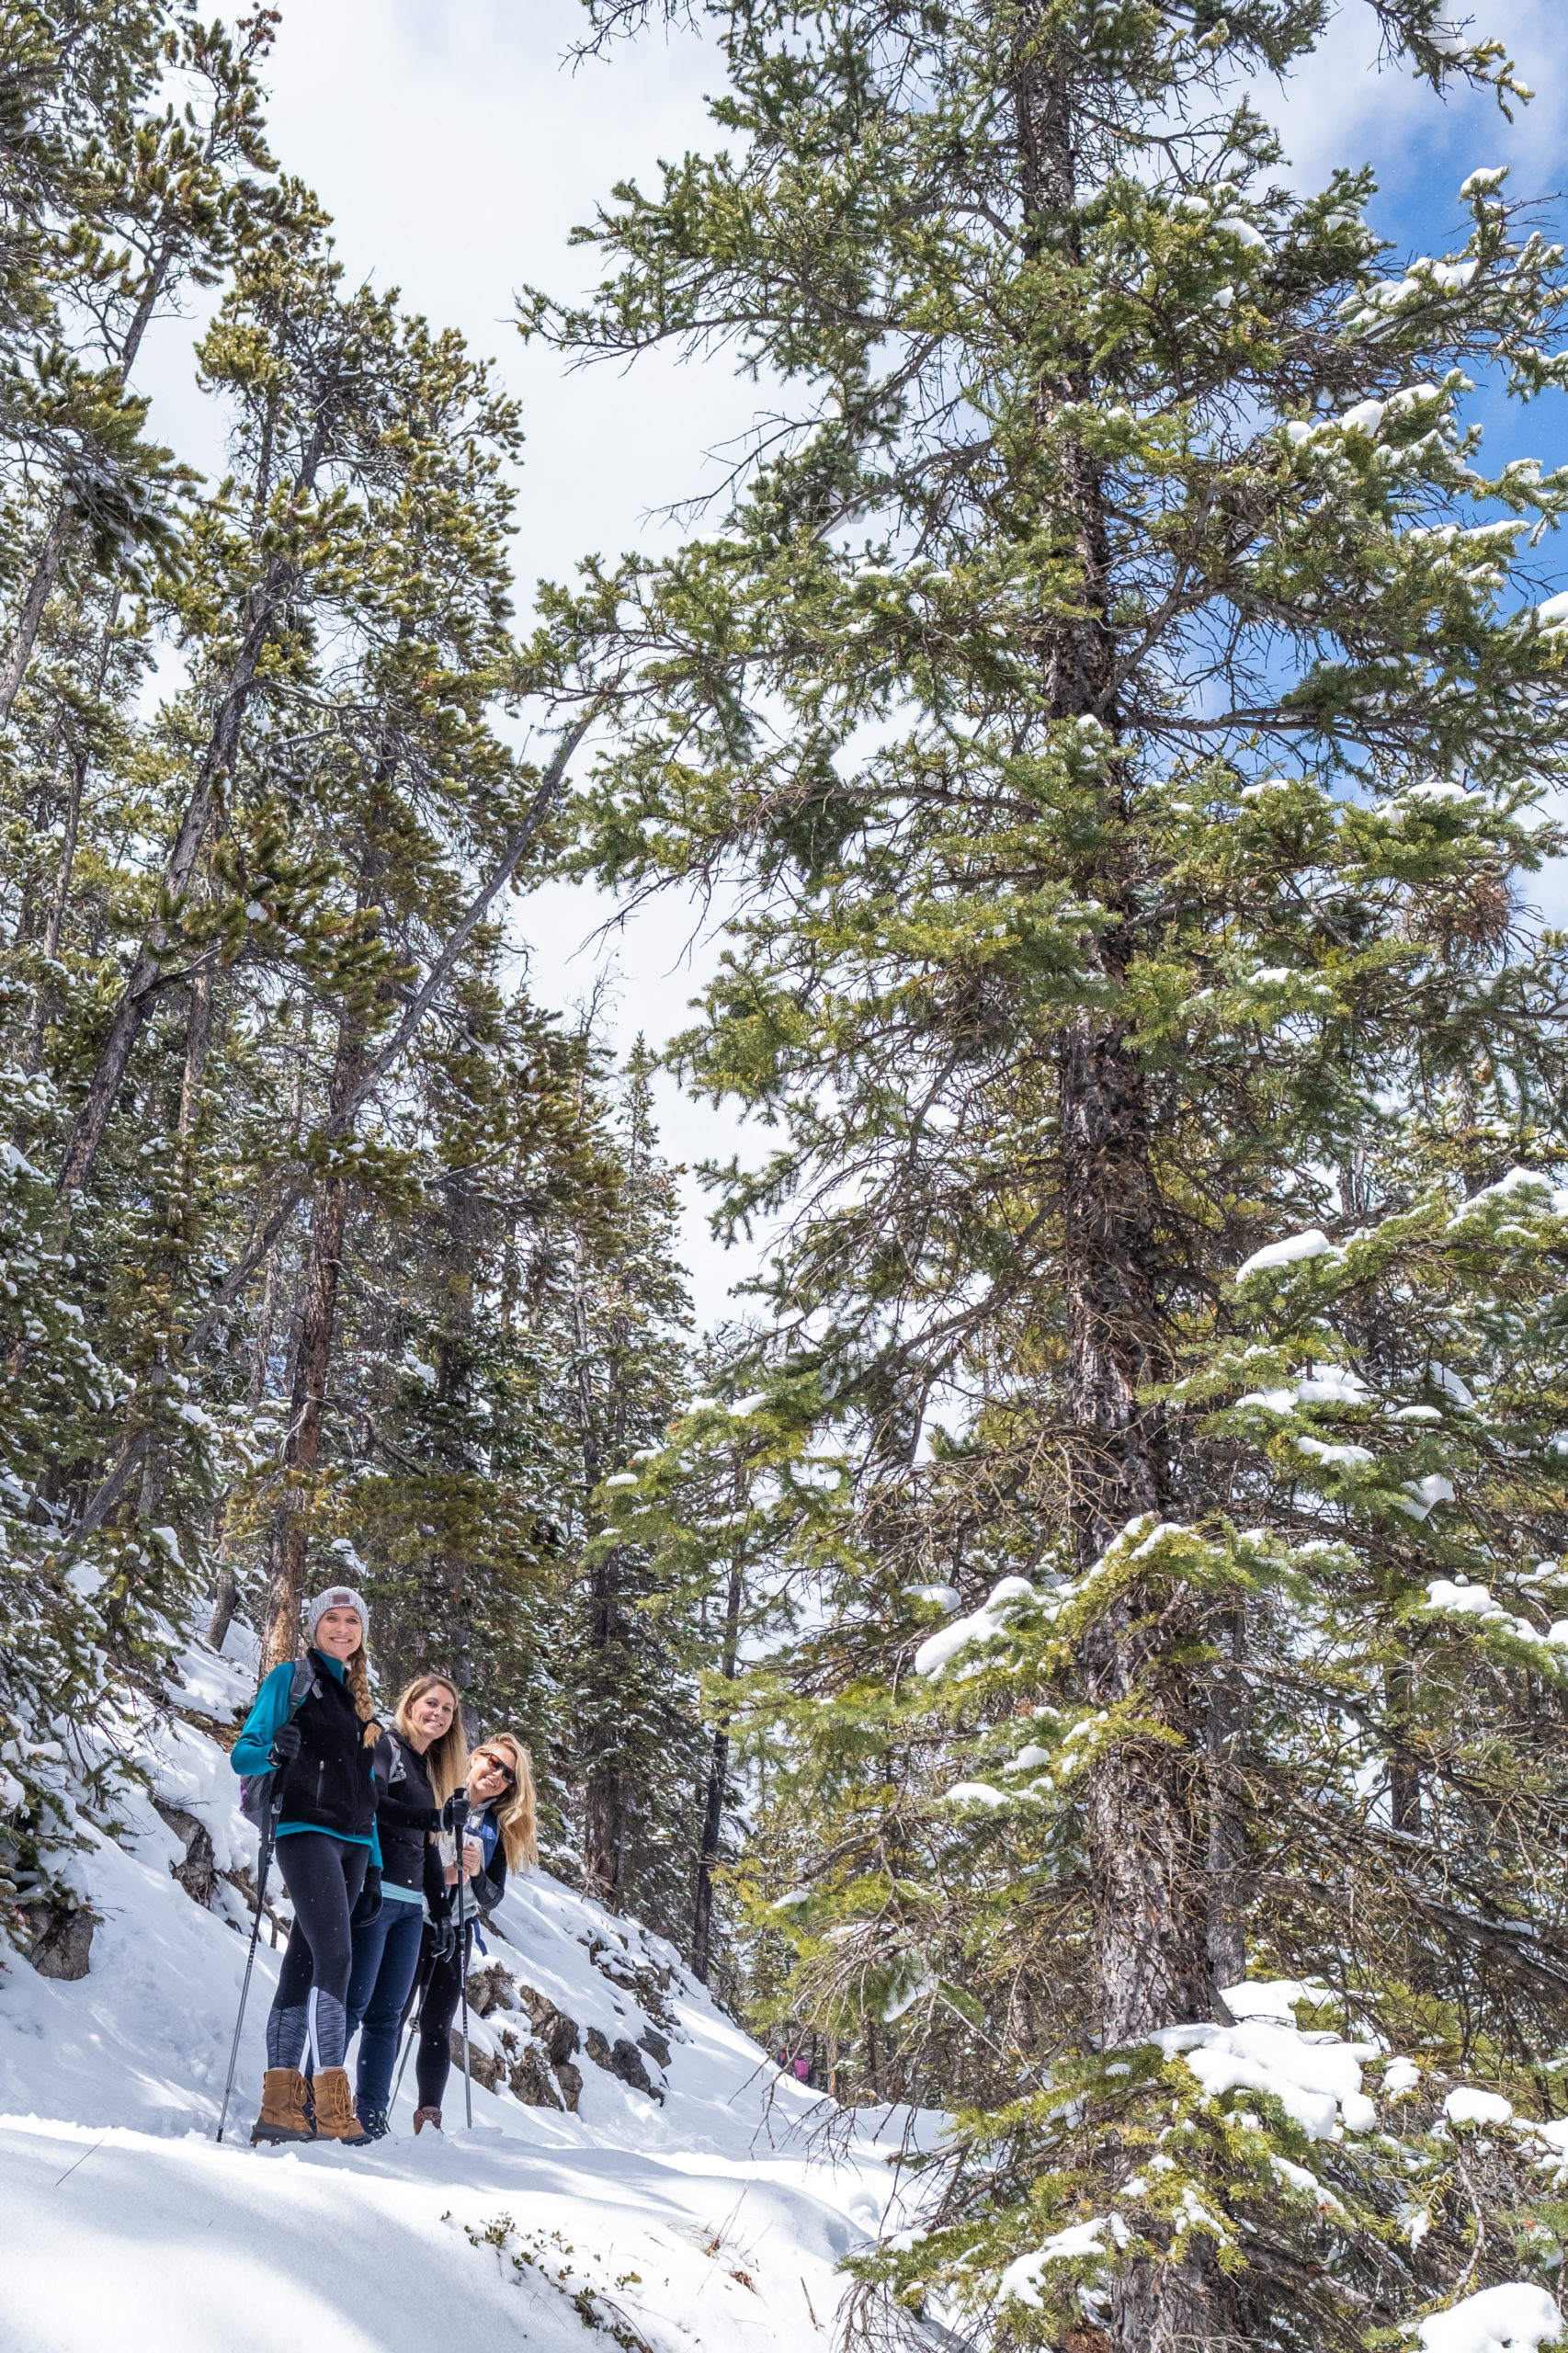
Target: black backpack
point(255, 1788)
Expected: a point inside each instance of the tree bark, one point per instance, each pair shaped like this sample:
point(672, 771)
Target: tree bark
point(307, 1401)
point(40, 588)
point(1227, 1730)
point(604, 1802)
point(717, 1778)
point(604, 1805)
point(46, 1000)
point(1404, 1771)
point(264, 601)
point(225, 1603)
point(1145, 1859)
point(136, 998)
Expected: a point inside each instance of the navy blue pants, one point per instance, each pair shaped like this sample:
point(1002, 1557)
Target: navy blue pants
point(386, 1954)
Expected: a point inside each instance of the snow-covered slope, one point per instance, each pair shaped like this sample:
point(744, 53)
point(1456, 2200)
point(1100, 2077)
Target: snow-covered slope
point(711, 2219)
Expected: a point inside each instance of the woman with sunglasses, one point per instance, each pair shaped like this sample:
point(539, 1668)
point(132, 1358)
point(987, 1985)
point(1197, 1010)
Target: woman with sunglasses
point(493, 1821)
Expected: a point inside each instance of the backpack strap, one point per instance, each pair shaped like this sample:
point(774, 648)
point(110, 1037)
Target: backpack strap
point(301, 1684)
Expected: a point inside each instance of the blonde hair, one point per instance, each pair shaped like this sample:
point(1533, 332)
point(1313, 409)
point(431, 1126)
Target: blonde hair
point(446, 1760)
point(517, 1814)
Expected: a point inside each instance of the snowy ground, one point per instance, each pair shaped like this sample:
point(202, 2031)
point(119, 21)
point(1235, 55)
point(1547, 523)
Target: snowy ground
point(712, 2221)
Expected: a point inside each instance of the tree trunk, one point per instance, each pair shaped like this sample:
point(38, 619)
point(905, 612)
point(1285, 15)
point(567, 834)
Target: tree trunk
point(604, 1802)
point(1404, 1772)
point(225, 1603)
point(717, 1778)
point(136, 998)
point(263, 603)
point(1227, 1730)
point(46, 1001)
point(1145, 1860)
point(307, 1403)
point(604, 1805)
point(46, 571)
point(262, 1352)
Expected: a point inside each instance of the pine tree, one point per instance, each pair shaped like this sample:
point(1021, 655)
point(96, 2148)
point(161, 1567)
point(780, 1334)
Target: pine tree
point(1111, 681)
point(254, 1033)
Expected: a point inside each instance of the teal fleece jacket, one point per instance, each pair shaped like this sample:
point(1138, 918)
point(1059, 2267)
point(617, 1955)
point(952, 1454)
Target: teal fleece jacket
point(252, 1753)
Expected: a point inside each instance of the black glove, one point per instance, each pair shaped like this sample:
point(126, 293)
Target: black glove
point(454, 1813)
point(368, 1908)
point(443, 1940)
point(285, 1744)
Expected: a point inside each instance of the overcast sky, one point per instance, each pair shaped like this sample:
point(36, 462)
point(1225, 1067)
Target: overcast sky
point(456, 150)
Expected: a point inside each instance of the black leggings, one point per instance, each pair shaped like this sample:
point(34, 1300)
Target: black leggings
point(323, 1876)
point(433, 2059)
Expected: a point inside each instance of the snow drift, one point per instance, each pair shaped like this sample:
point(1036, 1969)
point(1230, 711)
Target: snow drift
point(709, 2209)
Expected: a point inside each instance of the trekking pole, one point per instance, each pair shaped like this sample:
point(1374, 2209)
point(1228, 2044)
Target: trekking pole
point(264, 1864)
point(462, 1982)
point(410, 2019)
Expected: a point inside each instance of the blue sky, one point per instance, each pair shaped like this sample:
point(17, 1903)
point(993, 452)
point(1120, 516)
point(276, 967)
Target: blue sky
point(456, 151)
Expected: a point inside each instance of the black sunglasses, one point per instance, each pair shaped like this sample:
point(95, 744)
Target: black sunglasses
point(497, 1765)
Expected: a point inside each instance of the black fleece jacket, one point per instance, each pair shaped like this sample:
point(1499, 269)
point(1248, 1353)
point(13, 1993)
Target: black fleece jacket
point(405, 1817)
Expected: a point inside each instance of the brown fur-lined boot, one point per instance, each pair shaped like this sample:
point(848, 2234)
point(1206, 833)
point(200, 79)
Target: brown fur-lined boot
point(336, 2119)
point(283, 2115)
point(422, 2115)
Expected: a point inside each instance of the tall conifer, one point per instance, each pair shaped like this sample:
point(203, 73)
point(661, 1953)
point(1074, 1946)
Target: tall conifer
point(1119, 680)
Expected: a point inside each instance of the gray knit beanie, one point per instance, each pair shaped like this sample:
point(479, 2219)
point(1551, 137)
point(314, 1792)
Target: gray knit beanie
point(336, 1597)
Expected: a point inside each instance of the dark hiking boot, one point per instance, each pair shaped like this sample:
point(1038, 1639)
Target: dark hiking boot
point(374, 2122)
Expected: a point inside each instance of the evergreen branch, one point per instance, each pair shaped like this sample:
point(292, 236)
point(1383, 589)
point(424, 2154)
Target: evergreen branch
point(294, 1191)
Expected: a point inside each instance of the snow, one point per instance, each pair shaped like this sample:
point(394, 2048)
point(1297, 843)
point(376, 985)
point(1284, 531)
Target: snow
point(1270, 1997)
point(1021, 2277)
point(1465, 2105)
point(1364, 417)
point(1331, 1384)
point(1321, 1451)
point(1475, 1601)
point(712, 2221)
point(1426, 1493)
point(946, 1596)
point(1401, 2076)
point(1311, 1245)
point(945, 1645)
point(1515, 2318)
point(1518, 1180)
point(1317, 2083)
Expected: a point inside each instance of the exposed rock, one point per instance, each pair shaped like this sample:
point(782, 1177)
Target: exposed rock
point(655, 2045)
point(530, 2080)
point(197, 1874)
point(490, 1989)
point(558, 2033)
point(487, 2067)
point(647, 1982)
point(570, 2079)
point(622, 2059)
point(62, 1939)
